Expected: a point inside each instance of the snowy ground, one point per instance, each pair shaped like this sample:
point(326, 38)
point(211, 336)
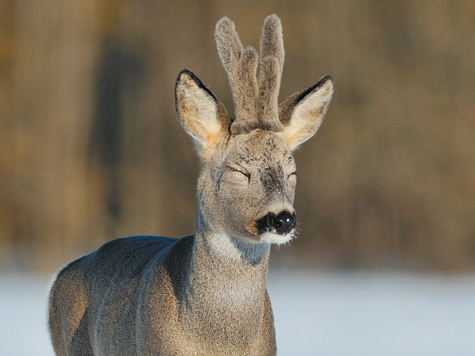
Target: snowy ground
point(328, 314)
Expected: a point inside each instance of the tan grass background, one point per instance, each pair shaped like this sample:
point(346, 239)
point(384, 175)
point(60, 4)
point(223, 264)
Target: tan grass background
point(90, 148)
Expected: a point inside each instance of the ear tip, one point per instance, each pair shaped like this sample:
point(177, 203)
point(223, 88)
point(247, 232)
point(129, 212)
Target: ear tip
point(326, 82)
point(326, 78)
point(187, 77)
point(185, 73)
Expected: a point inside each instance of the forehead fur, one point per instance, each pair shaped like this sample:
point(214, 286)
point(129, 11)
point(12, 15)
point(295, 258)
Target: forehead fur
point(257, 145)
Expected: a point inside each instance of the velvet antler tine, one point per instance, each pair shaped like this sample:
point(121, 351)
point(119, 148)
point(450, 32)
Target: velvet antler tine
point(255, 95)
point(241, 65)
point(272, 43)
point(227, 41)
point(270, 72)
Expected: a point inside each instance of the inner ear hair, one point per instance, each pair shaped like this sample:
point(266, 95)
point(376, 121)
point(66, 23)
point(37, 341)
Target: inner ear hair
point(199, 111)
point(303, 112)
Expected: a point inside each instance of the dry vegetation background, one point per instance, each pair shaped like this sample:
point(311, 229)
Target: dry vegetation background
point(90, 148)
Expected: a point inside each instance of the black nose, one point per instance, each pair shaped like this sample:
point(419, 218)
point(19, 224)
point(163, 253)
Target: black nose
point(283, 223)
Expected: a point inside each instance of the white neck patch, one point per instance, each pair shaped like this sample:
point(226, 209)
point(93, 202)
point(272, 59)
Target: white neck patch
point(236, 250)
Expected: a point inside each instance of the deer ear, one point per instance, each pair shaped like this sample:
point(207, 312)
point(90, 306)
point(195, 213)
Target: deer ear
point(200, 113)
point(303, 112)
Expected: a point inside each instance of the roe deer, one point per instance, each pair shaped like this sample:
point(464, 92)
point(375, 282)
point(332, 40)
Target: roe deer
point(203, 294)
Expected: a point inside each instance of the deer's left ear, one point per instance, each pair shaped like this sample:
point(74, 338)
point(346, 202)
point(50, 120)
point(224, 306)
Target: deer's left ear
point(303, 112)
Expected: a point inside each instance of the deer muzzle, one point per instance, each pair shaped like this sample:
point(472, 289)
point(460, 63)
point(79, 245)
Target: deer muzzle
point(282, 223)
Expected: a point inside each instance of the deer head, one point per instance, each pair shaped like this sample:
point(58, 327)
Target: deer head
point(248, 177)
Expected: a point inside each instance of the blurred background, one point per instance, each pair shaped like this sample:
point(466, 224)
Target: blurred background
point(90, 148)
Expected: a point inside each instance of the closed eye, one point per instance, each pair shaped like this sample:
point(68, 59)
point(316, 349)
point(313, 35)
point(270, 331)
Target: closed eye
point(240, 171)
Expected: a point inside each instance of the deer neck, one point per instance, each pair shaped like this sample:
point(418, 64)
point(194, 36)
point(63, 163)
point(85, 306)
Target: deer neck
point(224, 266)
point(229, 253)
point(226, 279)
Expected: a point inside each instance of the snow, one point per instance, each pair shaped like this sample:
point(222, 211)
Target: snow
point(316, 313)
point(373, 314)
point(23, 310)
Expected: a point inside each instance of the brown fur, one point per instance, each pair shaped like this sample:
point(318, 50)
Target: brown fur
point(255, 80)
point(203, 294)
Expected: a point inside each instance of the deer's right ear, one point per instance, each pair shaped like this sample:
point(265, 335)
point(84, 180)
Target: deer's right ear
point(200, 113)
